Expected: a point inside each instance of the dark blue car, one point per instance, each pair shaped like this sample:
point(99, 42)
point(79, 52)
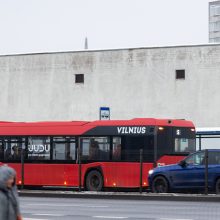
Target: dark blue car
point(187, 174)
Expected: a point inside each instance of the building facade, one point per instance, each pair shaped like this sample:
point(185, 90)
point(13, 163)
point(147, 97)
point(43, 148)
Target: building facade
point(214, 22)
point(165, 82)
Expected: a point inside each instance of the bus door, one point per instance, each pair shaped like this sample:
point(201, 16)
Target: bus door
point(65, 152)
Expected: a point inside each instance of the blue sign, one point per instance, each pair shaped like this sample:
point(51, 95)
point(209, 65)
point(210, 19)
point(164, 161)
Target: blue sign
point(104, 113)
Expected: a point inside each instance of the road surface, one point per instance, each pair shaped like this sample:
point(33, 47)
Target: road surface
point(96, 209)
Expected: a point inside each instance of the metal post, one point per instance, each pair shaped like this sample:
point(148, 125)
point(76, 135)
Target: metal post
point(79, 165)
point(206, 171)
point(141, 170)
point(200, 143)
point(155, 146)
point(22, 168)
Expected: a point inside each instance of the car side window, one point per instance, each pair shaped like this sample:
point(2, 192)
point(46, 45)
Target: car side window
point(214, 158)
point(196, 159)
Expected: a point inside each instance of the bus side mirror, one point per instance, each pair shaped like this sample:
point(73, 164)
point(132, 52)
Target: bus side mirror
point(182, 163)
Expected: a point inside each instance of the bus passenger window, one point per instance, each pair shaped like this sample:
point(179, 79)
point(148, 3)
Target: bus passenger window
point(64, 148)
point(116, 154)
point(13, 148)
point(16, 152)
point(8, 154)
point(71, 150)
point(39, 148)
point(1, 151)
point(95, 148)
point(131, 146)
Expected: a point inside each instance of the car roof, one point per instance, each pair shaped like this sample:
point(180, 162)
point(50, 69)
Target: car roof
point(208, 150)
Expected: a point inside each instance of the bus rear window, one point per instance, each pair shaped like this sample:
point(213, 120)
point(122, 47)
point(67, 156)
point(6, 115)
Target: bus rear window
point(185, 145)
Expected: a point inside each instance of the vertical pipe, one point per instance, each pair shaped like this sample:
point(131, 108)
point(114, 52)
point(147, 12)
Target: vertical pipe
point(206, 171)
point(22, 167)
point(200, 143)
point(141, 170)
point(155, 146)
point(79, 164)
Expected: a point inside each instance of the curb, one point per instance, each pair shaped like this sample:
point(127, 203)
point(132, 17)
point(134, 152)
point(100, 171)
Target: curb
point(122, 196)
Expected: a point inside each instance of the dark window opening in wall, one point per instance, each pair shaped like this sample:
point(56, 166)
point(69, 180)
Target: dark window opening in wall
point(180, 74)
point(79, 78)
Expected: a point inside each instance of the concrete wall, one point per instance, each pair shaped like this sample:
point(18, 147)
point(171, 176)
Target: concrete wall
point(132, 82)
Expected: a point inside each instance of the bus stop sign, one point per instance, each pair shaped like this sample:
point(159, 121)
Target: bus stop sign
point(104, 113)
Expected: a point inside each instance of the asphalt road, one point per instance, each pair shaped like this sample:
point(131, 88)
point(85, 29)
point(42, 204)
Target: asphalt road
point(95, 209)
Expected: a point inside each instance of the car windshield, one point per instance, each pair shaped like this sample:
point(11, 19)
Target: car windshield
point(196, 158)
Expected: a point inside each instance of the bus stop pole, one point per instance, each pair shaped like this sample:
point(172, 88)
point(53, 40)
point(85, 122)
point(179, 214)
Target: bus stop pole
point(155, 146)
point(22, 168)
point(206, 171)
point(200, 143)
point(79, 165)
point(141, 170)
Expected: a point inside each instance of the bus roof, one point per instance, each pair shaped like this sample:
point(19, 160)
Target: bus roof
point(81, 127)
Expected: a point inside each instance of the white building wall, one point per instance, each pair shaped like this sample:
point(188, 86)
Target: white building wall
point(214, 21)
point(132, 82)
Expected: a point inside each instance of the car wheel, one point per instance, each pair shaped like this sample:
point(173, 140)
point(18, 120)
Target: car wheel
point(94, 181)
point(160, 185)
point(217, 186)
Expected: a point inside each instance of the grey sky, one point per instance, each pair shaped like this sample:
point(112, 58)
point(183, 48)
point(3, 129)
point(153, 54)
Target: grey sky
point(29, 26)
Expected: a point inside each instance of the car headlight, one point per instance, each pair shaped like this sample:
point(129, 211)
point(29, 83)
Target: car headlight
point(150, 172)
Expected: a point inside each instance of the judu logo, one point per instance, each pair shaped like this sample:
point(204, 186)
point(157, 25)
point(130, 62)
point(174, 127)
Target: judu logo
point(131, 130)
point(39, 148)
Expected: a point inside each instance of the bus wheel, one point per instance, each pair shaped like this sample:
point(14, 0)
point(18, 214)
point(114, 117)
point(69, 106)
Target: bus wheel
point(160, 185)
point(217, 186)
point(94, 181)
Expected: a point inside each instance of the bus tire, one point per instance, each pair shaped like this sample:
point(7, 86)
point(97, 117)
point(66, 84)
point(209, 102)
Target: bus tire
point(217, 186)
point(94, 181)
point(160, 185)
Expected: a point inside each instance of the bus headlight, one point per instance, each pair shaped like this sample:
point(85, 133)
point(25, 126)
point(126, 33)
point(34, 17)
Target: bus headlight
point(150, 172)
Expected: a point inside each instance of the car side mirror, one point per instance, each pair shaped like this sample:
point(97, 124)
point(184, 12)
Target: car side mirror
point(182, 163)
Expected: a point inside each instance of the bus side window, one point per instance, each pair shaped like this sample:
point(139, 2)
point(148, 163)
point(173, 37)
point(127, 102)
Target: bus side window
point(12, 148)
point(94, 152)
point(116, 153)
point(131, 146)
point(64, 148)
point(1, 151)
point(95, 148)
point(85, 144)
point(38, 148)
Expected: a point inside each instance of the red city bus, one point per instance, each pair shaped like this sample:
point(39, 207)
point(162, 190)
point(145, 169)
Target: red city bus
point(93, 154)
